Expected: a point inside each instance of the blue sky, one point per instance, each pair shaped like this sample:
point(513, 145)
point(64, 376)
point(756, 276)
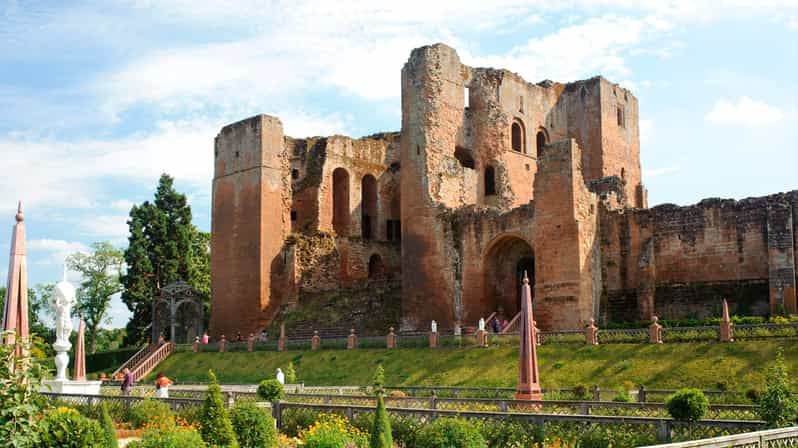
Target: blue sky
point(98, 98)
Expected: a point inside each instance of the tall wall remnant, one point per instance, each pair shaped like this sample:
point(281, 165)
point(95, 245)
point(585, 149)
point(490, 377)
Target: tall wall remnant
point(491, 177)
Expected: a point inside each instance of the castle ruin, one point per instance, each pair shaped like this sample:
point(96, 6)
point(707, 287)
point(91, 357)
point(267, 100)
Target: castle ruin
point(490, 177)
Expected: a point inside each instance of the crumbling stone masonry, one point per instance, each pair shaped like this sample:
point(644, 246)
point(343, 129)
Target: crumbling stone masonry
point(490, 177)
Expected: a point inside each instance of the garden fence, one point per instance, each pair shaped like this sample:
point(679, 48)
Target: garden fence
point(772, 438)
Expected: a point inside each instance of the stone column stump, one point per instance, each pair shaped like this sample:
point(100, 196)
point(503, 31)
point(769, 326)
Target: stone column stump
point(195, 347)
point(351, 340)
point(591, 333)
point(281, 342)
point(433, 340)
point(390, 339)
point(726, 326)
point(222, 344)
point(655, 331)
point(315, 341)
point(251, 342)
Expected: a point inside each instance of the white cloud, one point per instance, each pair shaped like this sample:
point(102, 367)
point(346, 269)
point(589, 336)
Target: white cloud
point(122, 204)
point(745, 111)
point(646, 130)
point(657, 172)
point(55, 251)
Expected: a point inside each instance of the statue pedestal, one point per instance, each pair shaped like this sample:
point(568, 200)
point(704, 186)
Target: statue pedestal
point(71, 387)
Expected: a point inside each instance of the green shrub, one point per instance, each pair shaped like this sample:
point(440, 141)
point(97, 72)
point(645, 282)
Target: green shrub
point(170, 437)
point(191, 414)
point(217, 431)
point(594, 438)
point(381, 428)
point(753, 395)
point(271, 390)
point(297, 419)
point(450, 433)
point(778, 405)
point(404, 430)
point(509, 433)
point(580, 392)
point(65, 428)
point(143, 411)
point(108, 427)
point(622, 396)
point(290, 373)
point(254, 427)
point(689, 405)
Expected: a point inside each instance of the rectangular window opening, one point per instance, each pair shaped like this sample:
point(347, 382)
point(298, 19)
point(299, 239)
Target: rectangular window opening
point(466, 96)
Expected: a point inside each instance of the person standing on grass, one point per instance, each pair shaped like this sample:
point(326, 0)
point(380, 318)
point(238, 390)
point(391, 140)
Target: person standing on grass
point(127, 382)
point(205, 337)
point(162, 384)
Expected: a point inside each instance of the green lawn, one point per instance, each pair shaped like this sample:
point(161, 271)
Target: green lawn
point(741, 364)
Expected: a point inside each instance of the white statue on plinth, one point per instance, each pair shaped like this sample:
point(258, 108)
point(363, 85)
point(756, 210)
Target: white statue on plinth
point(280, 376)
point(62, 301)
point(481, 324)
point(434, 327)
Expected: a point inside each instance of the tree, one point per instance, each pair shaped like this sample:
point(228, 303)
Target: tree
point(163, 247)
point(100, 271)
point(216, 430)
point(20, 401)
point(778, 405)
point(381, 430)
point(42, 336)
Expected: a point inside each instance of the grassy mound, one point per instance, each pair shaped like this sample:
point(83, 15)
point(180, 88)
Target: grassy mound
point(741, 365)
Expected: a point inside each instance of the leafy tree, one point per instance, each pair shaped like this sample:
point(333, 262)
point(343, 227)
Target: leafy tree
point(100, 271)
point(381, 430)
point(290, 373)
point(217, 430)
point(163, 247)
point(42, 336)
point(778, 405)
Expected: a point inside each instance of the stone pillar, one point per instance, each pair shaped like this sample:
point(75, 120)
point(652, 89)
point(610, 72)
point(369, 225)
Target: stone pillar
point(390, 339)
point(726, 331)
point(315, 341)
point(251, 342)
point(781, 259)
point(655, 331)
point(458, 333)
point(433, 339)
point(195, 347)
point(351, 341)
point(222, 344)
point(537, 332)
point(282, 340)
point(482, 338)
point(591, 333)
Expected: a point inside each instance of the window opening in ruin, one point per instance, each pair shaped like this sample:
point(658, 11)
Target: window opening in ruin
point(464, 157)
point(236, 154)
point(623, 174)
point(521, 104)
point(340, 201)
point(368, 205)
point(376, 267)
point(583, 93)
point(293, 215)
point(517, 136)
point(466, 97)
point(490, 181)
point(621, 117)
point(540, 141)
point(294, 174)
point(393, 230)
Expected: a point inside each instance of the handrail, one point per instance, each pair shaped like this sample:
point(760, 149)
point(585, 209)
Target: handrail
point(759, 439)
point(138, 356)
point(511, 326)
point(149, 363)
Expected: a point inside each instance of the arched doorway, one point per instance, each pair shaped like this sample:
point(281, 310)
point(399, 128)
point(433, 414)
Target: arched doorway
point(376, 267)
point(341, 201)
point(368, 206)
point(506, 261)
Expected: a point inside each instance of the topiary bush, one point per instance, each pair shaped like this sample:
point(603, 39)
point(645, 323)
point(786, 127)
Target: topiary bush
point(66, 428)
point(271, 390)
point(254, 427)
point(688, 405)
point(778, 404)
point(169, 433)
point(622, 396)
point(108, 427)
point(143, 411)
point(450, 433)
point(290, 373)
point(381, 428)
point(216, 430)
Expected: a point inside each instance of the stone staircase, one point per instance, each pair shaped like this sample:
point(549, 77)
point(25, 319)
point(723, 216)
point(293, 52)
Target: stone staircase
point(145, 360)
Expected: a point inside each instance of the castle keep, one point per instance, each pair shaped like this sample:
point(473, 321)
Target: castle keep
point(490, 177)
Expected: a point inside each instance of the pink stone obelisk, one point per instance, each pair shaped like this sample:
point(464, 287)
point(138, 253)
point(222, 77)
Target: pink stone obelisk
point(528, 380)
point(15, 315)
point(726, 332)
point(80, 353)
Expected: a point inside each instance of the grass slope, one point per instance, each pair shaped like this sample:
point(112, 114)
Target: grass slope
point(741, 364)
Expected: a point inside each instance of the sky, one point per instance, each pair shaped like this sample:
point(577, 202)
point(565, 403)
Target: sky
point(98, 98)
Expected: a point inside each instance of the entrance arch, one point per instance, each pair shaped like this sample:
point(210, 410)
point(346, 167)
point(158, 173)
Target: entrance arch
point(341, 201)
point(506, 260)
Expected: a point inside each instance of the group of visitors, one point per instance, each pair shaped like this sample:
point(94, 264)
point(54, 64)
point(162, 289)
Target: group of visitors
point(162, 384)
point(498, 327)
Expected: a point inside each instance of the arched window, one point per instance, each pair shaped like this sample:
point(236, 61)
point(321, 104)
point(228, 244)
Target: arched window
point(368, 205)
point(540, 141)
point(623, 174)
point(376, 268)
point(340, 201)
point(517, 134)
point(490, 181)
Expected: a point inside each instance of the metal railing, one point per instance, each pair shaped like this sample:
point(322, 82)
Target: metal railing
point(772, 438)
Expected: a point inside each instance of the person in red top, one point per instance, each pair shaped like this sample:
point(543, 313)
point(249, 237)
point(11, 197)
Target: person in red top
point(162, 384)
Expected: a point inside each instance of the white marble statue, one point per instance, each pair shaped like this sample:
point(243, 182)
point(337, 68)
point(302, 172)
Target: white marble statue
point(280, 376)
point(62, 301)
point(434, 327)
point(481, 324)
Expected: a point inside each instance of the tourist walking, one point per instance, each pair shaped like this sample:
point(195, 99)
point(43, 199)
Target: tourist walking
point(162, 384)
point(127, 382)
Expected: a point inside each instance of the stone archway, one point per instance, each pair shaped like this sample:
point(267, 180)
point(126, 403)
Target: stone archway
point(506, 261)
point(178, 310)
